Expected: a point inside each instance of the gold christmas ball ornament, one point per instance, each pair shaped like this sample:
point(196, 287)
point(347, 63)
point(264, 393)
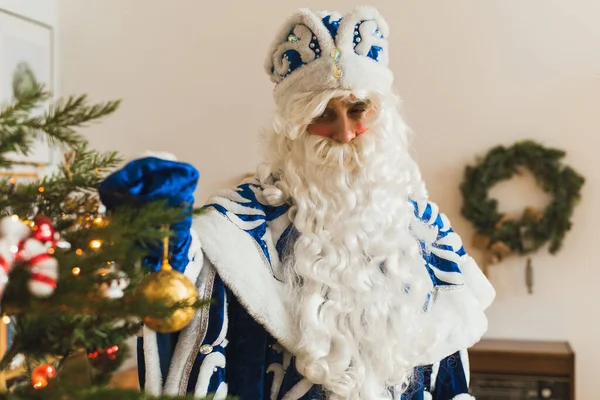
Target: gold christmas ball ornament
point(169, 287)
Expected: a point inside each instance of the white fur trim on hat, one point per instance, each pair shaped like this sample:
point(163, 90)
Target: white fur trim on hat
point(161, 154)
point(359, 31)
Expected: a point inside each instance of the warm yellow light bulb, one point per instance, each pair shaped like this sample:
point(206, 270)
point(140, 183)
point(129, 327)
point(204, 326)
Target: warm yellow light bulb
point(76, 271)
point(96, 244)
point(6, 319)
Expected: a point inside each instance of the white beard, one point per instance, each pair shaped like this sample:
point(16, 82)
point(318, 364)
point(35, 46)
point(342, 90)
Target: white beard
point(360, 327)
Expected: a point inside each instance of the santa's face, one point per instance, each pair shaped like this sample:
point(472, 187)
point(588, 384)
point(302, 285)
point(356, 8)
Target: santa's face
point(342, 120)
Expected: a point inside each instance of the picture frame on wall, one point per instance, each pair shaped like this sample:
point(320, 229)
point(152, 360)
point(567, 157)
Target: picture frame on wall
point(26, 52)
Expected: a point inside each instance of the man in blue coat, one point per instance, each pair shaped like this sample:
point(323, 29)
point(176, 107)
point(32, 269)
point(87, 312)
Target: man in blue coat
point(331, 273)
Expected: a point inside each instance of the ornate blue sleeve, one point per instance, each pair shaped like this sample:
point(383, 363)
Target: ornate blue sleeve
point(449, 379)
point(444, 252)
point(150, 179)
point(445, 380)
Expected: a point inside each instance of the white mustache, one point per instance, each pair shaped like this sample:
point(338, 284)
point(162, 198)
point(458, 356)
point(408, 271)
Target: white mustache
point(328, 152)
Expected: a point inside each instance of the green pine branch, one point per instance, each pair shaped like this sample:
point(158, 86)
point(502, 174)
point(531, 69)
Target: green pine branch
point(78, 176)
point(19, 126)
point(65, 115)
point(77, 317)
point(16, 141)
point(25, 102)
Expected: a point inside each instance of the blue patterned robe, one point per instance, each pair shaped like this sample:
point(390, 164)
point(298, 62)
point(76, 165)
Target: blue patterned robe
point(243, 344)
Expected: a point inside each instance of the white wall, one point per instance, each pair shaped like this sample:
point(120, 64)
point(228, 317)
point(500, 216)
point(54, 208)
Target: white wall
point(472, 75)
point(45, 11)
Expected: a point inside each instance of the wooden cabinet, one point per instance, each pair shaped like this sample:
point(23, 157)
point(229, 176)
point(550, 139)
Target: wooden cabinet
point(522, 370)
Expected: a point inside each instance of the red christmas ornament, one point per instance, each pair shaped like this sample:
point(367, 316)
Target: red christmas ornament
point(43, 230)
point(111, 352)
point(41, 375)
point(35, 252)
point(93, 354)
point(12, 232)
point(32, 247)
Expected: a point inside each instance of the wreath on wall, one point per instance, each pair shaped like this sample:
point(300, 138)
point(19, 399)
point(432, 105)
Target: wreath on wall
point(501, 235)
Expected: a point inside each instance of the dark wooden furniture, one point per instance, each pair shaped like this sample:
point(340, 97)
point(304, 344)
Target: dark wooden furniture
point(522, 370)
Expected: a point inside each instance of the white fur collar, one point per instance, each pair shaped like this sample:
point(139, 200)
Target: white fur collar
point(244, 269)
point(239, 232)
point(241, 264)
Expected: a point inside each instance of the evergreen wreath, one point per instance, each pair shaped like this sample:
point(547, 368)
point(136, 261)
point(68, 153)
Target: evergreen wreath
point(502, 234)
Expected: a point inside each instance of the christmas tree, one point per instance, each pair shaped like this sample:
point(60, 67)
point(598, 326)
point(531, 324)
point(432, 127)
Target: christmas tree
point(73, 281)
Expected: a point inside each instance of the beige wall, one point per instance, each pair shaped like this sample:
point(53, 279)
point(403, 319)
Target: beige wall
point(472, 74)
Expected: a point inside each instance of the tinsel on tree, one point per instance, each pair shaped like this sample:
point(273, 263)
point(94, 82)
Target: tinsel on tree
point(70, 271)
